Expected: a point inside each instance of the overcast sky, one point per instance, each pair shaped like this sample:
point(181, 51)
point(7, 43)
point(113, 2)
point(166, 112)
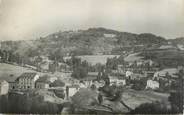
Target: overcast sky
point(30, 19)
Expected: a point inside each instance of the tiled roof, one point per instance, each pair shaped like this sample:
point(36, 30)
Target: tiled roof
point(27, 75)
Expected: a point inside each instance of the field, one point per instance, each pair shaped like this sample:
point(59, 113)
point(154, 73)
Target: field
point(133, 57)
point(134, 98)
point(94, 59)
point(11, 72)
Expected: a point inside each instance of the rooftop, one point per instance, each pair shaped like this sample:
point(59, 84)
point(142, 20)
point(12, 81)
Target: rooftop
point(28, 75)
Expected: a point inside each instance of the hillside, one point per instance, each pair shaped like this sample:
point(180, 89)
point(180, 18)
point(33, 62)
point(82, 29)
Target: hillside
point(179, 40)
point(83, 42)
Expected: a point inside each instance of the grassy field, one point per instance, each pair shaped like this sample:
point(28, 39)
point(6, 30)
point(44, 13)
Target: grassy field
point(7, 69)
point(134, 98)
point(133, 57)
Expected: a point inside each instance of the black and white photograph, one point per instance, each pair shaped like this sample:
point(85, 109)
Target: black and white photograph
point(94, 57)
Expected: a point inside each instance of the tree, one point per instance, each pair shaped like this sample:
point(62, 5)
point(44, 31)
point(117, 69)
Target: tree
point(4, 104)
point(57, 83)
point(53, 67)
point(176, 96)
point(151, 108)
point(80, 72)
point(37, 61)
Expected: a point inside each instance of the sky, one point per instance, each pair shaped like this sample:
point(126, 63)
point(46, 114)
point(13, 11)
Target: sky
point(31, 19)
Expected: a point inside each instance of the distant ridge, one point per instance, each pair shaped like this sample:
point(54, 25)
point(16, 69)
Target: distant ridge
point(85, 42)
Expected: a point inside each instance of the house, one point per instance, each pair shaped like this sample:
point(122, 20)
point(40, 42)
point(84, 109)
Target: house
point(27, 81)
point(117, 80)
point(152, 84)
point(4, 87)
point(44, 82)
point(128, 74)
point(88, 81)
point(99, 83)
point(71, 90)
point(12, 85)
point(82, 84)
point(43, 66)
point(64, 67)
point(11, 79)
point(180, 47)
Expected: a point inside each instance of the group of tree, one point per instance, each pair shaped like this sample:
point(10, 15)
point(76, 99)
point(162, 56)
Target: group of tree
point(112, 63)
point(176, 94)
point(81, 68)
point(16, 104)
point(9, 56)
point(152, 108)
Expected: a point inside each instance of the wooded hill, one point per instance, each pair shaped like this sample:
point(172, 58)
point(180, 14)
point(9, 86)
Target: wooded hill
point(82, 42)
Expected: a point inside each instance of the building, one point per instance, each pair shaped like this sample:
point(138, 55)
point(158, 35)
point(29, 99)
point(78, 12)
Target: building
point(44, 82)
point(117, 80)
point(99, 83)
point(4, 87)
point(11, 79)
point(27, 81)
point(128, 74)
point(64, 67)
point(71, 90)
point(88, 81)
point(152, 84)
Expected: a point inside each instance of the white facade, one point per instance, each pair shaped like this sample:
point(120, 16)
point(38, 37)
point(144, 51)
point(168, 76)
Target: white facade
point(27, 82)
point(98, 84)
point(121, 82)
point(114, 80)
point(42, 85)
point(128, 73)
point(152, 84)
point(4, 87)
point(70, 91)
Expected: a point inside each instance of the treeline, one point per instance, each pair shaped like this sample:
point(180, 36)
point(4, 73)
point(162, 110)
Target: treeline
point(81, 68)
point(10, 56)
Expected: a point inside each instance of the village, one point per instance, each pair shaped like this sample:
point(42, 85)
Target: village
point(107, 83)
